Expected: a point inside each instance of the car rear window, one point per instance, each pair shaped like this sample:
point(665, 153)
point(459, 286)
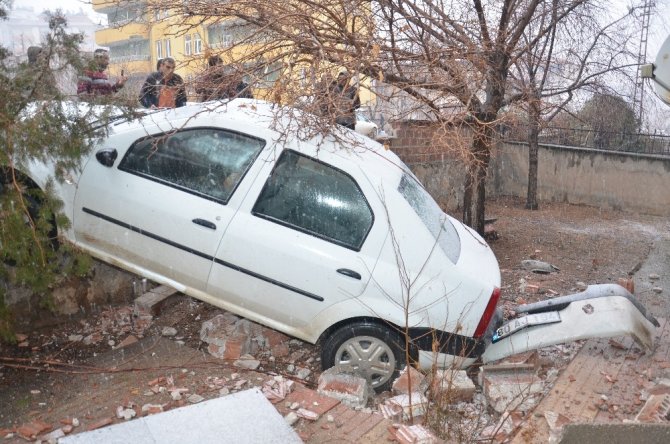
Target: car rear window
point(432, 216)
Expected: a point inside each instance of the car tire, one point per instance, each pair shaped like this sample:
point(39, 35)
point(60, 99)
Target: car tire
point(370, 350)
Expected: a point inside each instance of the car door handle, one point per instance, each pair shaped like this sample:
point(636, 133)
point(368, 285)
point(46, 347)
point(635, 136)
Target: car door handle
point(204, 223)
point(350, 273)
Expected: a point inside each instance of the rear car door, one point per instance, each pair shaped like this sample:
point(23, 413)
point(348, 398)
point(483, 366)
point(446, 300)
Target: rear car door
point(165, 205)
point(306, 237)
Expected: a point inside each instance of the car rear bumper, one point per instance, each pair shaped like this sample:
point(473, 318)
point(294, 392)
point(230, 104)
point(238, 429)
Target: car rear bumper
point(601, 311)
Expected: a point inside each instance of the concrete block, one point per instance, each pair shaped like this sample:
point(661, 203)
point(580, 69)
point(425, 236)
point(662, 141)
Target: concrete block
point(452, 385)
point(413, 404)
point(409, 380)
point(349, 389)
point(245, 417)
point(154, 300)
point(511, 387)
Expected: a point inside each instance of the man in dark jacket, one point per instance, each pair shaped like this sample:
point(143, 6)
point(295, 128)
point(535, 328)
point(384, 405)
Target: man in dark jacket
point(344, 101)
point(163, 88)
point(220, 82)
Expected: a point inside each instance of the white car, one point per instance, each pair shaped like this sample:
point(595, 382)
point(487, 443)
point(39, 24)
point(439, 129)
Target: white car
point(366, 126)
point(341, 247)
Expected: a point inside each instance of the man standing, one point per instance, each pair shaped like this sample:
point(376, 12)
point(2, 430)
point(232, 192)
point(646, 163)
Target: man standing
point(94, 81)
point(345, 101)
point(219, 82)
point(163, 88)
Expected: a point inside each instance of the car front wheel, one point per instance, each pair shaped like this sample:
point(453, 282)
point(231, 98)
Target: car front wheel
point(369, 350)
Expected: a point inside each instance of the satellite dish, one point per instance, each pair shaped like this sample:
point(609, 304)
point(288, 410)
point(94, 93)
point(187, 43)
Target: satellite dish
point(662, 72)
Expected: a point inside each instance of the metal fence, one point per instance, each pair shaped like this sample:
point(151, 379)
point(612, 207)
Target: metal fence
point(657, 144)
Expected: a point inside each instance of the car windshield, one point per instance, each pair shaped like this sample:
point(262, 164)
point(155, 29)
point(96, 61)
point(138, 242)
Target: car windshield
point(432, 216)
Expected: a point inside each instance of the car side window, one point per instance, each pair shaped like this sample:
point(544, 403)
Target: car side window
point(205, 161)
point(311, 196)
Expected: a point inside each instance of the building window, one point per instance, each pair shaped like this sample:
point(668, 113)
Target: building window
point(187, 45)
point(168, 48)
point(159, 49)
point(197, 43)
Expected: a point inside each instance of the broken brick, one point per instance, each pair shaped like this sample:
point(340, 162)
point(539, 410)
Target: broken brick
point(230, 348)
point(150, 409)
point(627, 283)
point(280, 350)
point(273, 338)
point(100, 423)
point(414, 434)
point(511, 387)
point(409, 380)
point(32, 429)
point(20, 337)
point(129, 340)
point(350, 389)
point(656, 409)
point(307, 414)
point(452, 385)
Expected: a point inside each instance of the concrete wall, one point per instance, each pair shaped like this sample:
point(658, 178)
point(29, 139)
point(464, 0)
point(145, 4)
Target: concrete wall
point(625, 181)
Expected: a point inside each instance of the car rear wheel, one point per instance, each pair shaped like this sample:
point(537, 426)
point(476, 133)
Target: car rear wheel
point(372, 351)
point(32, 199)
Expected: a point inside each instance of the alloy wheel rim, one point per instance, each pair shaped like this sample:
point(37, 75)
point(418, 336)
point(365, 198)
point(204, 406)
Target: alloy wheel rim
point(368, 357)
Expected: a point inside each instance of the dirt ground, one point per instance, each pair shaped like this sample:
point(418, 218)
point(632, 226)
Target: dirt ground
point(53, 379)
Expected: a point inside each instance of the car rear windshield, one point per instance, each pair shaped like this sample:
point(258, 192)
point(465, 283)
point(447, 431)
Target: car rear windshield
point(432, 216)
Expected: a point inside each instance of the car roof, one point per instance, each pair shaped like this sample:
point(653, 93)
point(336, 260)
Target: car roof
point(282, 123)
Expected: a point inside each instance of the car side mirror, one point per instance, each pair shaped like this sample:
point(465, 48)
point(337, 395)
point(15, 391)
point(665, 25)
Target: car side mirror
point(106, 156)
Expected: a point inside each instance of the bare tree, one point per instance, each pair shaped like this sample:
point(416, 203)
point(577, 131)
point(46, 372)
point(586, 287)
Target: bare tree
point(448, 60)
point(586, 52)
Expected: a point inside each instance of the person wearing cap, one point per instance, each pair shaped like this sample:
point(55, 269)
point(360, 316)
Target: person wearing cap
point(345, 100)
point(163, 88)
point(94, 81)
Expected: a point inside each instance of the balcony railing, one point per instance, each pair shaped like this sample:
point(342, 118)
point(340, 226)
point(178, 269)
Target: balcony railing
point(130, 58)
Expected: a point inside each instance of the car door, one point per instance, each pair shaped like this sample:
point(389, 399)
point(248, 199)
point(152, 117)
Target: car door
point(306, 237)
point(165, 207)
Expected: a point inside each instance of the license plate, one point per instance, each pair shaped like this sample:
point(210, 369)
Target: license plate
point(517, 324)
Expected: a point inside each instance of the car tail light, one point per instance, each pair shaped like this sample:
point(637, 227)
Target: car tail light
point(488, 313)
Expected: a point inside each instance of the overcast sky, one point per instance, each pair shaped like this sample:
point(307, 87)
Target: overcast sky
point(65, 5)
point(658, 32)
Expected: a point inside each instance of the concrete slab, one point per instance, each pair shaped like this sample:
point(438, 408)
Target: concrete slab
point(154, 300)
point(240, 417)
point(616, 433)
point(605, 374)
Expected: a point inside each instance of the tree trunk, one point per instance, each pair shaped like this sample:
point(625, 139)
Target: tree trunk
point(533, 134)
point(474, 198)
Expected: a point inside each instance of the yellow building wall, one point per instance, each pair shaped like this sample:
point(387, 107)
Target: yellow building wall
point(175, 28)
